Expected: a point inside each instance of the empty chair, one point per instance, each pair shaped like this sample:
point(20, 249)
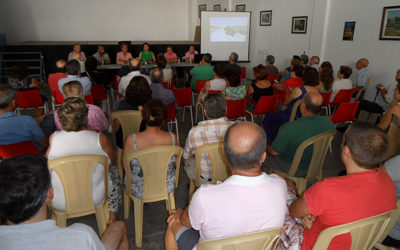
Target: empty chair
point(242, 74)
point(17, 149)
point(236, 109)
point(344, 95)
point(75, 173)
point(30, 99)
point(265, 239)
point(89, 99)
point(184, 100)
point(169, 84)
point(325, 104)
point(171, 119)
point(154, 162)
point(346, 112)
point(100, 94)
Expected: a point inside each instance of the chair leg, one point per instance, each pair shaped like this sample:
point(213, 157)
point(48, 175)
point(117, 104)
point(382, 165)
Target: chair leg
point(61, 218)
point(138, 203)
point(127, 203)
point(191, 114)
point(177, 131)
point(183, 115)
point(101, 218)
point(119, 164)
point(171, 198)
point(191, 189)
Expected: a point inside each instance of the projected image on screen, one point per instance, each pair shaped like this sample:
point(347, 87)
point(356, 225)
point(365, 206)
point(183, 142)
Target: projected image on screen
point(228, 29)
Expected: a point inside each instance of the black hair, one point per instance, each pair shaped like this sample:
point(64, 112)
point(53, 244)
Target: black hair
point(154, 113)
point(310, 77)
point(73, 67)
point(207, 57)
point(233, 77)
point(91, 64)
point(138, 91)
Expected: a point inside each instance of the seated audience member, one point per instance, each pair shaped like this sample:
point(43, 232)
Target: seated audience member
point(77, 139)
point(326, 77)
point(393, 114)
point(234, 90)
point(362, 75)
point(217, 84)
point(96, 118)
point(17, 128)
point(262, 87)
point(26, 192)
point(157, 89)
point(314, 62)
point(217, 211)
point(154, 115)
point(135, 71)
point(294, 81)
point(137, 94)
point(294, 133)
point(204, 71)
point(73, 74)
point(124, 56)
point(271, 69)
point(55, 77)
point(285, 74)
point(101, 56)
point(304, 60)
point(95, 76)
point(392, 168)
point(19, 78)
point(273, 121)
point(170, 55)
point(162, 64)
point(189, 55)
point(344, 81)
point(233, 58)
point(146, 55)
point(209, 131)
point(384, 98)
point(365, 189)
point(77, 54)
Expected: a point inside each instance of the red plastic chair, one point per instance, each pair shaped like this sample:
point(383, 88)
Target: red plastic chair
point(199, 86)
point(171, 119)
point(89, 99)
point(17, 149)
point(236, 109)
point(184, 100)
point(327, 97)
point(214, 92)
point(345, 113)
point(265, 105)
point(169, 84)
point(242, 73)
point(272, 78)
point(30, 99)
point(100, 94)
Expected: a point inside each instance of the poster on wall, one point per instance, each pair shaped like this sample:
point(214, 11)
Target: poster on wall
point(390, 26)
point(299, 25)
point(348, 32)
point(217, 7)
point(265, 18)
point(241, 8)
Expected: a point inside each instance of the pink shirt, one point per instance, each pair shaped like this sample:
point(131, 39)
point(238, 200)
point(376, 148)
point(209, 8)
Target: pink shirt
point(239, 205)
point(170, 56)
point(122, 57)
point(191, 56)
point(96, 119)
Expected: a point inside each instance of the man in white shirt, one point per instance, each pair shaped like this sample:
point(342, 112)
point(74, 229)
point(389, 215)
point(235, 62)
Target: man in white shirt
point(344, 82)
point(25, 191)
point(73, 74)
point(248, 201)
point(125, 80)
point(363, 75)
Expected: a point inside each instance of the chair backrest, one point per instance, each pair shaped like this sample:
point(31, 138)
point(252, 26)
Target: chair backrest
point(393, 136)
point(200, 85)
point(17, 149)
point(183, 97)
point(266, 104)
point(327, 97)
point(394, 217)
point(261, 240)
point(130, 121)
point(242, 72)
point(214, 92)
point(169, 84)
point(235, 108)
point(115, 82)
point(344, 95)
point(272, 78)
point(99, 92)
point(89, 99)
point(29, 99)
point(295, 107)
point(59, 97)
point(346, 112)
point(219, 163)
point(365, 233)
point(75, 173)
point(154, 162)
point(320, 144)
point(171, 112)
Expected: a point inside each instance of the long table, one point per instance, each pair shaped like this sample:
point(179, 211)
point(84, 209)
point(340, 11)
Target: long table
point(148, 66)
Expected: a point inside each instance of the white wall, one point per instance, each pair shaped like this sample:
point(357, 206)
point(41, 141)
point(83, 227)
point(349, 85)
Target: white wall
point(91, 20)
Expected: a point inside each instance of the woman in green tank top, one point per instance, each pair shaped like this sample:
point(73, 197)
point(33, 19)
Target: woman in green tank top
point(146, 55)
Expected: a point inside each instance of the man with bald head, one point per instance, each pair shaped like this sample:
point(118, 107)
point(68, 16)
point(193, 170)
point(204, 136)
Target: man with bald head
point(362, 75)
point(157, 89)
point(294, 133)
point(247, 201)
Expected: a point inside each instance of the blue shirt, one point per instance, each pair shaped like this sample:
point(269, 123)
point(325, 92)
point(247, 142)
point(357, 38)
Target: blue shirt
point(85, 81)
point(19, 128)
point(165, 95)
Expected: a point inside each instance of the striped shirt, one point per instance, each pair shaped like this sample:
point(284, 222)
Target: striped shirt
point(362, 78)
point(209, 131)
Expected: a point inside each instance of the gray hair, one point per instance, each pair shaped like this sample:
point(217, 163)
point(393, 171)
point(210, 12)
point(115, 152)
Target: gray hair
point(316, 58)
point(7, 95)
point(156, 75)
point(270, 59)
point(234, 57)
point(215, 105)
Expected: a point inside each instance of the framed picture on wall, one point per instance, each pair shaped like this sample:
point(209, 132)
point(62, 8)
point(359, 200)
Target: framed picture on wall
point(202, 7)
point(265, 18)
point(390, 26)
point(241, 8)
point(348, 31)
point(299, 24)
point(217, 7)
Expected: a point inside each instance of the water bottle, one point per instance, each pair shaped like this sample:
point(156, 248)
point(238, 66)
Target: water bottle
point(179, 60)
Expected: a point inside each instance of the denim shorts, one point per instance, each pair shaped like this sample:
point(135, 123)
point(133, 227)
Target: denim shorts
point(187, 238)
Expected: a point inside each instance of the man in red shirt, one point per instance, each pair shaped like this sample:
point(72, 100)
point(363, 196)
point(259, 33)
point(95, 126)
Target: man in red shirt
point(364, 192)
